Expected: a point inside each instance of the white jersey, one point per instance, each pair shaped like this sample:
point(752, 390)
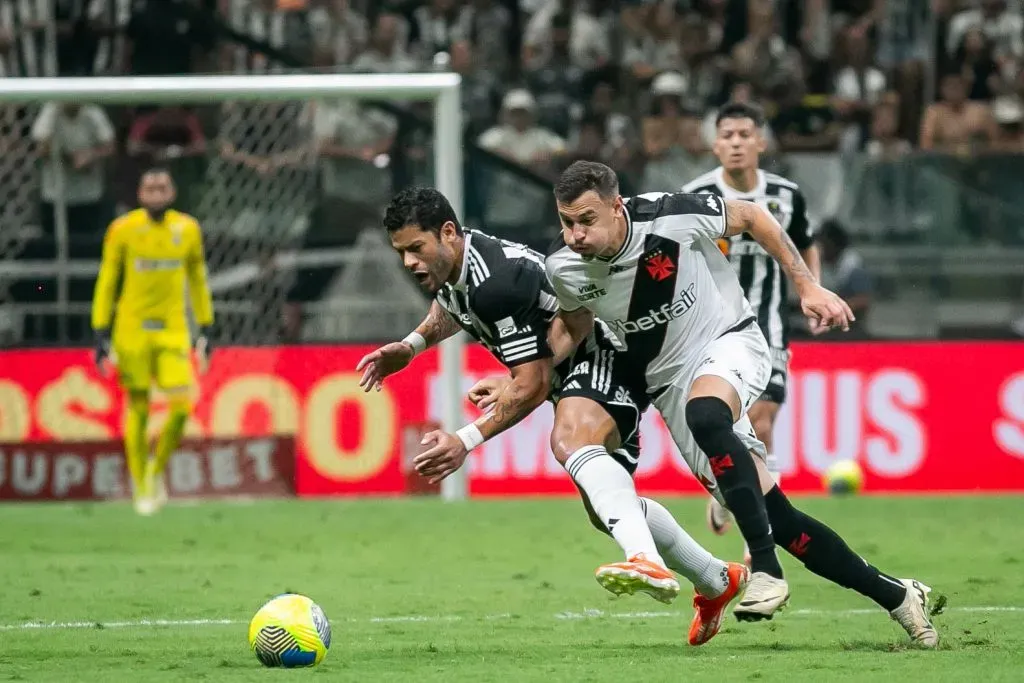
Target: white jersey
point(667, 294)
point(759, 274)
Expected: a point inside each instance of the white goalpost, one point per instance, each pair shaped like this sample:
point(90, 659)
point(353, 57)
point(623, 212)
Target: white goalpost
point(440, 88)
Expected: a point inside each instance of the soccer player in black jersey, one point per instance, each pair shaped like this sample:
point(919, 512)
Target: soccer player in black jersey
point(497, 292)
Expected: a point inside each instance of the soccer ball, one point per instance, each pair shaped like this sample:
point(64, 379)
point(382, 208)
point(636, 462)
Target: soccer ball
point(844, 477)
point(290, 631)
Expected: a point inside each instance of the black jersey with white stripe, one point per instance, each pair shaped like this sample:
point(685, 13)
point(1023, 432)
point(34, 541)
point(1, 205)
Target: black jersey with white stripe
point(666, 294)
point(763, 281)
point(502, 299)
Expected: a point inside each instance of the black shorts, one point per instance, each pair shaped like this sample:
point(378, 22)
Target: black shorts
point(592, 374)
point(776, 389)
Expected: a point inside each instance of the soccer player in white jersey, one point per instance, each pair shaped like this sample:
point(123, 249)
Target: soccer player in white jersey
point(497, 292)
point(739, 143)
point(650, 268)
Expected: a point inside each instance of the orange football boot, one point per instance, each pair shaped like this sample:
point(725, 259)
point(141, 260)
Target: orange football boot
point(639, 574)
point(707, 618)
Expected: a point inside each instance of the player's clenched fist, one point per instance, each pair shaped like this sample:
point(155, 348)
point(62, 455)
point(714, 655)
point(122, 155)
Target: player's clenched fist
point(825, 308)
point(385, 361)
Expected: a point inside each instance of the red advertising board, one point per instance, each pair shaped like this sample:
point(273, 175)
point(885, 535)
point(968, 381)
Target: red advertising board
point(918, 416)
point(95, 470)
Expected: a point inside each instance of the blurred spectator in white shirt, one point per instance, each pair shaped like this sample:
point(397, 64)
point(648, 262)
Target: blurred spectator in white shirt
point(651, 41)
point(1003, 26)
point(518, 138)
point(74, 141)
point(385, 53)
point(339, 32)
point(589, 44)
point(857, 88)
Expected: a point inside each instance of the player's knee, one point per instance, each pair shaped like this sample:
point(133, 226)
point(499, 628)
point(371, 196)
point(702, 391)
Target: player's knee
point(763, 425)
point(707, 417)
point(579, 423)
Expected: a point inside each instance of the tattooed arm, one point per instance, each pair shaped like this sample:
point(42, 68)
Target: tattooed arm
point(390, 358)
point(818, 304)
point(743, 216)
point(530, 386)
point(437, 326)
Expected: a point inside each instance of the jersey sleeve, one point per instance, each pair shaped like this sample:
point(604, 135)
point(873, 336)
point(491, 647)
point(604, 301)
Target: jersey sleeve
point(509, 303)
point(686, 214)
point(111, 266)
point(799, 227)
point(563, 292)
point(198, 285)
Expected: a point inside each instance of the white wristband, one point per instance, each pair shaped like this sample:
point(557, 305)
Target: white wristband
point(417, 342)
point(471, 436)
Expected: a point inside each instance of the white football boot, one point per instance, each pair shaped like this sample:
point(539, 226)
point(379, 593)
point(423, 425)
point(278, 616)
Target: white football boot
point(912, 615)
point(765, 595)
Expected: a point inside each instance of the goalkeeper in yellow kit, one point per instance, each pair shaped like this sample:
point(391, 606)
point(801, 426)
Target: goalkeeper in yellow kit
point(152, 252)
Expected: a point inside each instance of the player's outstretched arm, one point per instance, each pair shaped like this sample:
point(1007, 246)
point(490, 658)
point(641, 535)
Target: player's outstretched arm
point(105, 294)
point(567, 331)
point(390, 358)
point(529, 387)
point(817, 302)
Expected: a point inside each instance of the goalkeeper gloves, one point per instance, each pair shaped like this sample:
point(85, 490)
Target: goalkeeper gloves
point(102, 351)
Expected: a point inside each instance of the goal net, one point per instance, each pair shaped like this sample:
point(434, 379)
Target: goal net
point(289, 191)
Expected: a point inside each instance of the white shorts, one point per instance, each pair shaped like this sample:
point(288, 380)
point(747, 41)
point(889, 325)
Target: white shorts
point(742, 359)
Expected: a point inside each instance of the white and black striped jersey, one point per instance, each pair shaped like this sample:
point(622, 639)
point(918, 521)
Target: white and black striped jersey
point(760, 275)
point(504, 301)
point(667, 293)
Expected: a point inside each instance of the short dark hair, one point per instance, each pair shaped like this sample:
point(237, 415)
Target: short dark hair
point(422, 206)
point(156, 170)
point(583, 176)
point(741, 110)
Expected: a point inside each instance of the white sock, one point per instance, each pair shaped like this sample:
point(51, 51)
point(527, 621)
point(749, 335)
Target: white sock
point(708, 574)
point(612, 495)
point(773, 467)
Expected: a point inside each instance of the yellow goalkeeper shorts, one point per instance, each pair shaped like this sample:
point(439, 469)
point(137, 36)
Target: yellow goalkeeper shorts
point(142, 364)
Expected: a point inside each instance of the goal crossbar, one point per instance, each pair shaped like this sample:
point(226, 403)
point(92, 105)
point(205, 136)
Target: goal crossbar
point(441, 88)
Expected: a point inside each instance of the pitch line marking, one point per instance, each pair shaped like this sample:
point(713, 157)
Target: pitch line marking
point(437, 618)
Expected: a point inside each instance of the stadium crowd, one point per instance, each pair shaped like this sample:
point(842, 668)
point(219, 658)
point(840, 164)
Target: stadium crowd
point(633, 83)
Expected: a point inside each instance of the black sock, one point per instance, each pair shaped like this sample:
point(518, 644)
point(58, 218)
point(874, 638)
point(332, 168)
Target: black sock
point(827, 555)
point(710, 422)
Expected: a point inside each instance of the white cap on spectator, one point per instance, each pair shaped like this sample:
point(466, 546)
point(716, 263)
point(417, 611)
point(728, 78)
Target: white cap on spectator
point(518, 99)
point(669, 83)
point(1007, 110)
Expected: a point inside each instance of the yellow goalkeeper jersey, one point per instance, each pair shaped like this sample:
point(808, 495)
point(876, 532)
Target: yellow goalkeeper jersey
point(152, 261)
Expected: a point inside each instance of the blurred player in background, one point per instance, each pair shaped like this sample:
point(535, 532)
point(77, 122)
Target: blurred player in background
point(497, 292)
point(738, 145)
point(151, 253)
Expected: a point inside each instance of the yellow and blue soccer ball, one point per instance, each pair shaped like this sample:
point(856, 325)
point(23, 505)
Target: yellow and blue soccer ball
point(290, 631)
point(844, 477)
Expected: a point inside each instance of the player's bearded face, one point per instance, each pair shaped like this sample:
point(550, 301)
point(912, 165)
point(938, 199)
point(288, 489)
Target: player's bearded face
point(429, 257)
point(738, 144)
point(156, 194)
point(592, 226)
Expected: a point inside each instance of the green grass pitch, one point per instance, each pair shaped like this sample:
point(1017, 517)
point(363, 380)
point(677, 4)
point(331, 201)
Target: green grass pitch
point(417, 590)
